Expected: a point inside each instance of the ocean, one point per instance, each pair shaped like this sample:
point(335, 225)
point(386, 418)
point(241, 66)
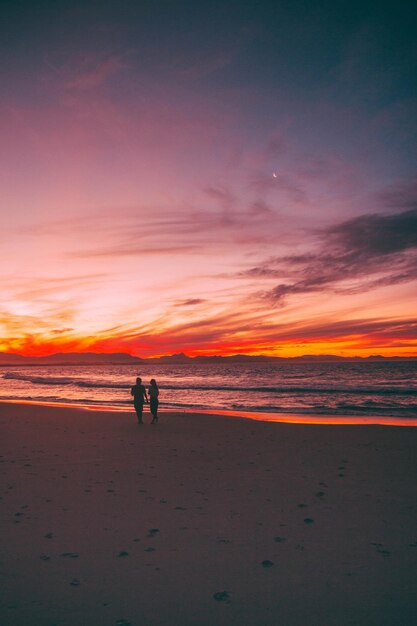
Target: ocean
point(345, 388)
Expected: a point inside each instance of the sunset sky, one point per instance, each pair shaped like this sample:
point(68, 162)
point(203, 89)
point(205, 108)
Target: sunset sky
point(211, 178)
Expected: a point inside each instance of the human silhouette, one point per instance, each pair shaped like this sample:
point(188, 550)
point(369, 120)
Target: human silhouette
point(138, 392)
point(154, 402)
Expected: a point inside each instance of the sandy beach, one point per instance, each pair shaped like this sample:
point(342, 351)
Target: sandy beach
point(204, 520)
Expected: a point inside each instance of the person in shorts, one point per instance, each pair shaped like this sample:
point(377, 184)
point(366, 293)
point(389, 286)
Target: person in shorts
point(138, 392)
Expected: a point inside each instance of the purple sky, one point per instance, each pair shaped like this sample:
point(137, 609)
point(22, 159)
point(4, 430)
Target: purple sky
point(213, 179)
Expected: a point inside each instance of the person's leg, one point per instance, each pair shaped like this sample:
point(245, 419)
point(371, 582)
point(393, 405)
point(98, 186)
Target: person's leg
point(154, 411)
point(139, 411)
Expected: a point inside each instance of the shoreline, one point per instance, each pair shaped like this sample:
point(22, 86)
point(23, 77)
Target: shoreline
point(258, 416)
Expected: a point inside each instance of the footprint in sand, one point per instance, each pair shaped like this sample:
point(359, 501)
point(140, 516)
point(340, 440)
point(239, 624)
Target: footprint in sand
point(71, 555)
point(222, 596)
point(380, 550)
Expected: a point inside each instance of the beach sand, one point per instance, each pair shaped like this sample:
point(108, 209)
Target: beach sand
point(204, 520)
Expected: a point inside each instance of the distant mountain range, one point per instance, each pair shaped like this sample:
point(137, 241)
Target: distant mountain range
point(122, 358)
point(70, 358)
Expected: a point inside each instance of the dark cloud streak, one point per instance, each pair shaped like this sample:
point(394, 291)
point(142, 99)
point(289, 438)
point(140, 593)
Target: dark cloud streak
point(190, 302)
point(372, 250)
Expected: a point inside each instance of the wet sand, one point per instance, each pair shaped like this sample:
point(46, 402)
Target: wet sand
point(204, 520)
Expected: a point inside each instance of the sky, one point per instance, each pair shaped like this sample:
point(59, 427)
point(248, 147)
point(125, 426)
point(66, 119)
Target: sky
point(208, 178)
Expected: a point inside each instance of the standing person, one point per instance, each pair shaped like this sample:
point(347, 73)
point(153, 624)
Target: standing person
point(153, 396)
point(138, 392)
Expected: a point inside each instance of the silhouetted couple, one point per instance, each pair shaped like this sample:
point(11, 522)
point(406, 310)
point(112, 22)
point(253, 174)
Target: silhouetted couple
point(140, 396)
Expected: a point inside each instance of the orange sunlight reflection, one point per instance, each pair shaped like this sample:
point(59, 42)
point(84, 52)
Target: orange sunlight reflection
point(322, 420)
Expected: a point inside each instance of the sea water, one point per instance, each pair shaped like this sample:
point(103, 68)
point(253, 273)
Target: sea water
point(344, 388)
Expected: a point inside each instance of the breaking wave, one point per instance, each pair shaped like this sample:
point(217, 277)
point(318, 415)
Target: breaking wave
point(276, 389)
